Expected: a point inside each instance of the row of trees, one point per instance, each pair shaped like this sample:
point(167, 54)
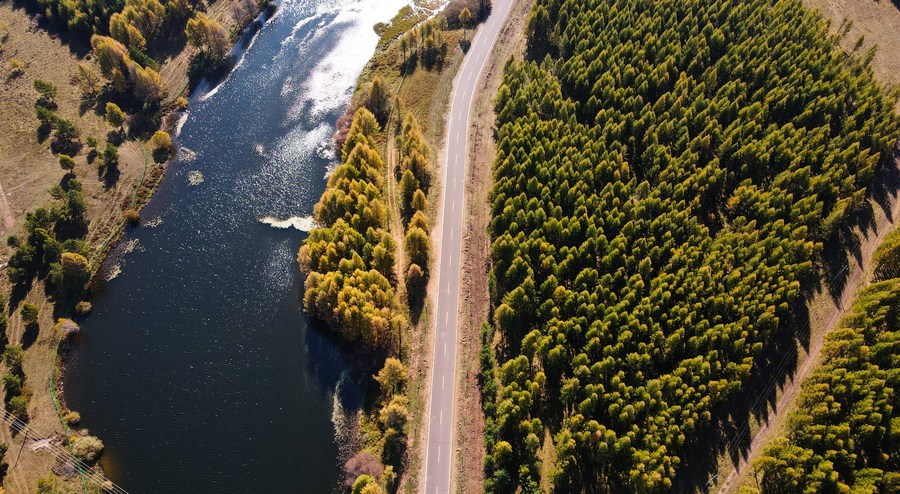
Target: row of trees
point(842, 436)
point(349, 259)
point(414, 175)
point(425, 43)
point(664, 181)
point(374, 470)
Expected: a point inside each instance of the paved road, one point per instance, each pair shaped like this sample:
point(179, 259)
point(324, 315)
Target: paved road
point(440, 453)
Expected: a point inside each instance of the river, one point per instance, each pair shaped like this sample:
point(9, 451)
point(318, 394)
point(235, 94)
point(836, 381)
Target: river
point(197, 368)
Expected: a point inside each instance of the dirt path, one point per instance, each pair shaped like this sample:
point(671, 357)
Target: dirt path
point(832, 313)
point(8, 219)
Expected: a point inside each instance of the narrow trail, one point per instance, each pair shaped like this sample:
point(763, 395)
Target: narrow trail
point(856, 280)
point(8, 219)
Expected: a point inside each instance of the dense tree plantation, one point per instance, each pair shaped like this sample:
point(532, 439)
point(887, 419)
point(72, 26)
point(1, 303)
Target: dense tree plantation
point(843, 435)
point(350, 257)
point(666, 175)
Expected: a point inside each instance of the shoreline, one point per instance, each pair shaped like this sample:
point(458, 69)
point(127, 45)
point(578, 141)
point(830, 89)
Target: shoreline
point(48, 396)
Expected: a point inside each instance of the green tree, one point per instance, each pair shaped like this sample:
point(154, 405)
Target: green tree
point(47, 93)
point(13, 356)
point(29, 313)
point(465, 18)
point(114, 115)
point(378, 101)
point(66, 162)
point(391, 376)
point(162, 145)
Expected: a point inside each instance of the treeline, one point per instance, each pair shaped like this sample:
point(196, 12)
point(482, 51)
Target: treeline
point(414, 171)
point(349, 258)
point(349, 261)
point(842, 437)
point(664, 182)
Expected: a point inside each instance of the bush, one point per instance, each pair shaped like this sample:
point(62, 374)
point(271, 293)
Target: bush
point(13, 356)
point(16, 67)
point(162, 146)
point(87, 448)
point(46, 485)
point(18, 406)
point(132, 217)
point(29, 313)
point(363, 463)
point(83, 308)
point(72, 418)
point(181, 103)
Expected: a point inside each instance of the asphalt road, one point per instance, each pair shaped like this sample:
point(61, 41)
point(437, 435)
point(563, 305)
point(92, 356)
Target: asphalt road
point(440, 455)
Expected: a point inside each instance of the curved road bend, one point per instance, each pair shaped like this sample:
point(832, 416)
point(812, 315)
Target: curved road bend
point(440, 450)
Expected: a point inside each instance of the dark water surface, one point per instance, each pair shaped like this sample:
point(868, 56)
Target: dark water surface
point(198, 368)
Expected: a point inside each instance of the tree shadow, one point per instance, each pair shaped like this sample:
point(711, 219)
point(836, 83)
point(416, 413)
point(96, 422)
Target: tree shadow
point(465, 44)
point(777, 365)
point(43, 132)
point(110, 176)
point(30, 335)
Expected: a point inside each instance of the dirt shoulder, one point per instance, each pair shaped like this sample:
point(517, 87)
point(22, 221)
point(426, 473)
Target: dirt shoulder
point(474, 304)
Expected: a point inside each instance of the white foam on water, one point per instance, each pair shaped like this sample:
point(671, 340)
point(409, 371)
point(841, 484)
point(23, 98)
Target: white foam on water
point(181, 121)
point(302, 223)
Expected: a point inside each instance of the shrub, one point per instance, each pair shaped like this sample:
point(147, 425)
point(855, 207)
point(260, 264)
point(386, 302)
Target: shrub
point(29, 313)
point(16, 67)
point(18, 406)
point(181, 103)
point(72, 418)
point(83, 308)
point(46, 485)
point(132, 217)
point(162, 146)
point(66, 162)
point(13, 356)
point(87, 448)
point(363, 463)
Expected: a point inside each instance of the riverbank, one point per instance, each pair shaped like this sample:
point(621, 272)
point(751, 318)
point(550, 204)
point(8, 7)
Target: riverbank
point(27, 177)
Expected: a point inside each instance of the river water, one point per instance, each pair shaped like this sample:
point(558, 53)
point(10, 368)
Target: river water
point(198, 368)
